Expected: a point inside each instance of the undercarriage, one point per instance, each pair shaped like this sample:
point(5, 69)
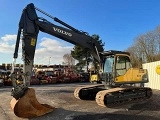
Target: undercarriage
point(113, 96)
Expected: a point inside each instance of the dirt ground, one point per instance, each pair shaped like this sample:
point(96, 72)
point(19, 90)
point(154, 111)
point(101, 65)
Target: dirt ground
point(67, 107)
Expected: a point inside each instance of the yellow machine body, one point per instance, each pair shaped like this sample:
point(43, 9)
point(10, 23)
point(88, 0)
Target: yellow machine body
point(133, 75)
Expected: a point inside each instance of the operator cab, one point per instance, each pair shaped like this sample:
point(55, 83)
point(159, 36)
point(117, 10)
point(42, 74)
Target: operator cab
point(115, 63)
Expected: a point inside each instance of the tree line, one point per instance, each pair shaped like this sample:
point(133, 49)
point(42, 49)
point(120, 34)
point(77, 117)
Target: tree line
point(145, 48)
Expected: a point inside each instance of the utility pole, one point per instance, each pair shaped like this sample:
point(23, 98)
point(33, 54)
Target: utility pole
point(49, 61)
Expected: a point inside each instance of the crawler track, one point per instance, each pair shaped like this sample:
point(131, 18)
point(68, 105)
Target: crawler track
point(88, 92)
point(118, 96)
point(113, 96)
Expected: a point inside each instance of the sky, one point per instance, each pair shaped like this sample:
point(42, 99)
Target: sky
point(117, 22)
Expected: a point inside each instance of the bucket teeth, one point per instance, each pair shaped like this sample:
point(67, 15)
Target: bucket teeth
point(28, 106)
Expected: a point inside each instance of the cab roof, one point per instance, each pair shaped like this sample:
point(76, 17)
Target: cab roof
point(114, 52)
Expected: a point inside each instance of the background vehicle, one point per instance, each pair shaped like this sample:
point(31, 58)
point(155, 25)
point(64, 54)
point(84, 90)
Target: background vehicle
point(1, 82)
point(50, 77)
point(34, 80)
point(113, 68)
point(4, 77)
point(74, 77)
point(84, 77)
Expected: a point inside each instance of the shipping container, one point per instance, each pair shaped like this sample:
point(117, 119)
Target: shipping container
point(153, 69)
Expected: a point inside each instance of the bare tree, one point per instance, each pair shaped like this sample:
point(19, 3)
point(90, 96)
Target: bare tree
point(69, 60)
point(149, 46)
point(157, 32)
point(146, 48)
point(133, 55)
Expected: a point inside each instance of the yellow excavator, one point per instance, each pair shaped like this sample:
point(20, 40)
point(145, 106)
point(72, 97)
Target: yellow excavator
point(121, 84)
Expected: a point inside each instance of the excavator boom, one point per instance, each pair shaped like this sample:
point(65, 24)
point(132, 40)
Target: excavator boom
point(29, 26)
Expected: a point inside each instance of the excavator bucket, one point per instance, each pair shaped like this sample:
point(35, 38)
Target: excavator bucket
point(28, 106)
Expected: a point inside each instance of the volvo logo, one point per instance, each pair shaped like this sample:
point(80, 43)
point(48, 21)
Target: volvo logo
point(62, 31)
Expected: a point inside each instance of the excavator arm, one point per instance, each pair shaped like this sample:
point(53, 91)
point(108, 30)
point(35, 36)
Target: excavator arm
point(29, 26)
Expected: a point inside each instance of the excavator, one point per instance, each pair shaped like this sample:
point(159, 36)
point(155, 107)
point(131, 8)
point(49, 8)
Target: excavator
point(120, 83)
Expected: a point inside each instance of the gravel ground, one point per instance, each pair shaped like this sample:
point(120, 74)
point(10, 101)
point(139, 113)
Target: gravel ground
point(68, 108)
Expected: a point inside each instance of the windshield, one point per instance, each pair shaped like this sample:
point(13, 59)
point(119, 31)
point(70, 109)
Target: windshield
point(108, 65)
point(122, 64)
